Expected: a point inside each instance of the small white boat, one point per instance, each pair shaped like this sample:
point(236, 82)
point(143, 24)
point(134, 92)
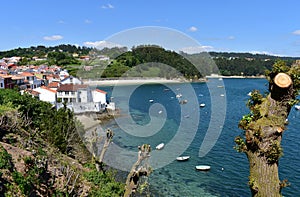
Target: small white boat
point(183, 158)
point(183, 102)
point(203, 167)
point(151, 100)
point(297, 107)
point(160, 146)
point(178, 95)
point(202, 105)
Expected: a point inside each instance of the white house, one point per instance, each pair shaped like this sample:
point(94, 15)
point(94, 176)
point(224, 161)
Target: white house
point(2, 83)
point(80, 98)
point(46, 94)
point(63, 74)
point(99, 96)
point(32, 80)
point(71, 93)
point(71, 80)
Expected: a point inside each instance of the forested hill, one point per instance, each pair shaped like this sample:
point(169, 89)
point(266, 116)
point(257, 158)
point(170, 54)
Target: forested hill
point(249, 55)
point(42, 51)
point(228, 63)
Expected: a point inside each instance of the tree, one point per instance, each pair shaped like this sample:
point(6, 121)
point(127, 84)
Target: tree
point(264, 126)
point(139, 169)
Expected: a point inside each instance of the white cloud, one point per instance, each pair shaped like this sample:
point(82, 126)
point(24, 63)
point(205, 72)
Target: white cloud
point(102, 44)
point(197, 49)
point(296, 32)
point(61, 22)
point(53, 38)
point(107, 6)
point(87, 21)
point(230, 37)
point(193, 29)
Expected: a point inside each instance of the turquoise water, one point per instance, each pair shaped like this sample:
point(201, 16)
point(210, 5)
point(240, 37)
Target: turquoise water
point(165, 116)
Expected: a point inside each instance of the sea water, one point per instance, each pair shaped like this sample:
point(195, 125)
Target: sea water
point(146, 105)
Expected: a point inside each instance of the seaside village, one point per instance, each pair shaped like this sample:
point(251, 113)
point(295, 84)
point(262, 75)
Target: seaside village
point(54, 85)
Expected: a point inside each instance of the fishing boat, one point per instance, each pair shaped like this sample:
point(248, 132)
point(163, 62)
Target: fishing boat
point(203, 167)
point(160, 146)
point(183, 158)
point(202, 105)
point(297, 107)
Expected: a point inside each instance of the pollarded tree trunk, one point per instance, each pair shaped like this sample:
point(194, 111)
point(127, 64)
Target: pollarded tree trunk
point(263, 179)
point(138, 170)
point(263, 128)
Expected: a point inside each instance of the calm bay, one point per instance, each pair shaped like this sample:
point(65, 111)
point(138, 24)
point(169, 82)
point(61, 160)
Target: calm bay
point(229, 169)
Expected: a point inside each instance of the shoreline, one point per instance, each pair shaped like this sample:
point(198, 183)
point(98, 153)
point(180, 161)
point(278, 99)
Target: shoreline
point(140, 81)
point(236, 77)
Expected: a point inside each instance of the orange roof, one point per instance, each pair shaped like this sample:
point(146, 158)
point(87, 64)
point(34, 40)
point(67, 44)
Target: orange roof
point(70, 87)
point(46, 88)
point(16, 77)
point(101, 91)
point(27, 74)
point(32, 92)
point(5, 76)
point(53, 85)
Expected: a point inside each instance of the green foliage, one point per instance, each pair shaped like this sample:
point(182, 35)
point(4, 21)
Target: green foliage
point(104, 184)
point(240, 144)
point(274, 152)
point(5, 159)
point(144, 61)
point(42, 51)
point(57, 130)
point(6, 108)
point(294, 73)
point(255, 99)
point(23, 182)
point(61, 58)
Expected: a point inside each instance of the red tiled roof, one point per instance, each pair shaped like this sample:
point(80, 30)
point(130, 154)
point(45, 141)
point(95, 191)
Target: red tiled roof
point(101, 91)
point(27, 74)
point(70, 87)
point(32, 92)
point(16, 77)
point(5, 76)
point(46, 88)
point(53, 85)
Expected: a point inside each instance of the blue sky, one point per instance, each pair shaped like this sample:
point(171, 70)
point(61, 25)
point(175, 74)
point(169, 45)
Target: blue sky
point(264, 26)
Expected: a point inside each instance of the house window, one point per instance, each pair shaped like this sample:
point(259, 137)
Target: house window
point(67, 93)
point(1, 85)
point(72, 93)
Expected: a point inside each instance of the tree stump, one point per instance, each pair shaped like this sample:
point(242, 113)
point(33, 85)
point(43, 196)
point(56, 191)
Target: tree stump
point(264, 126)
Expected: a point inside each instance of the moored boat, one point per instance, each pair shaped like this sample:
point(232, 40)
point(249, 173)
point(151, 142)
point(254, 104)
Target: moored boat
point(160, 146)
point(203, 167)
point(183, 158)
point(202, 105)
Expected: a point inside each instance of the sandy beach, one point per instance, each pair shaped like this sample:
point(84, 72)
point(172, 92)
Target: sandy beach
point(138, 81)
